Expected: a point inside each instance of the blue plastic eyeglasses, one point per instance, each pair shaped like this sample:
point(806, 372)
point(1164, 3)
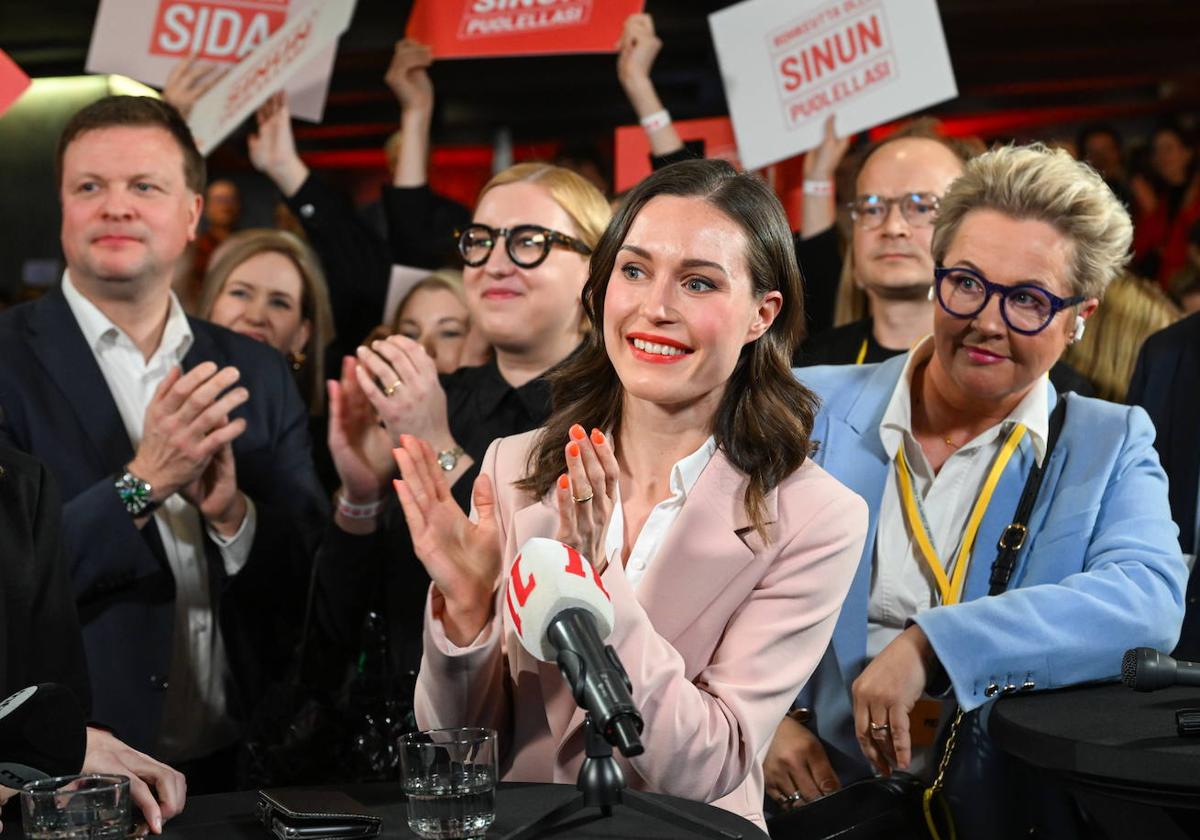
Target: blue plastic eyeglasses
point(1027, 309)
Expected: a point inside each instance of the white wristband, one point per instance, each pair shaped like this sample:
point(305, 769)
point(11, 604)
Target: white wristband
point(653, 122)
point(353, 511)
point(815, 187)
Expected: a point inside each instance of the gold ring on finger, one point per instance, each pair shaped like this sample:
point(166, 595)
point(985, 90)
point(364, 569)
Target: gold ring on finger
point(391, 389)
point(579, 501)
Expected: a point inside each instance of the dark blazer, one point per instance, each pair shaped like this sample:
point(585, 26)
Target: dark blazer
point(55, 404)
point(41, 641)
point(1166, 382)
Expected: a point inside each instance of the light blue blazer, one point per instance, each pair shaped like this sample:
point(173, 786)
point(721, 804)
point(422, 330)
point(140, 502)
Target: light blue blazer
point(1100, 571)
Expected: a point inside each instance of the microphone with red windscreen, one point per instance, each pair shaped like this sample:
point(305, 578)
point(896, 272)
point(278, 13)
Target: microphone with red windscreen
point(562, 613)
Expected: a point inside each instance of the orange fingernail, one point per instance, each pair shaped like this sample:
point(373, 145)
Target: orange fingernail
point(597, 437)
point(573, 450)
point(562, 482)
point(577, 432)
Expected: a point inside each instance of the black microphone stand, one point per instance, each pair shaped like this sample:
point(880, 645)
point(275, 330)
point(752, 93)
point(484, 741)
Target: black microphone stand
point(602, 785)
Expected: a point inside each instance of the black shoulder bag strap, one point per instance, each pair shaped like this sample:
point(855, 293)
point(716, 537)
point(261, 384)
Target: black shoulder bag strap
point(1013, 537)
point(1009, 546)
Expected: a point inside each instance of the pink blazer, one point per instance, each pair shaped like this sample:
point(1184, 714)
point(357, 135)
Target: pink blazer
point(718, 638)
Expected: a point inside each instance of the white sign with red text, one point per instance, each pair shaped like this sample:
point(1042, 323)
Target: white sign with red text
point(266, 69)
point(144, 39)
point(788, 64)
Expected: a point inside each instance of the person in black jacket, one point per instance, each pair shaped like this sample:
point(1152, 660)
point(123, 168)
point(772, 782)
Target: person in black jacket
point(357, 261)
point(1166, 382)
point(41, 640)
point(181, 448)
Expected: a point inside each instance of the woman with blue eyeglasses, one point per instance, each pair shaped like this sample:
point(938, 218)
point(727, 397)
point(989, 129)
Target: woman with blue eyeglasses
point(941, 442)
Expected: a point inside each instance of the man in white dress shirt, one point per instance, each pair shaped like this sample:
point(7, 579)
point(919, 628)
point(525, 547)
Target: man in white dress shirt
point(182, 450)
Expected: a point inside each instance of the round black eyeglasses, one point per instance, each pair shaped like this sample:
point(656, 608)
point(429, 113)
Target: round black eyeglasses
point(1026, 308)
point(527, 245)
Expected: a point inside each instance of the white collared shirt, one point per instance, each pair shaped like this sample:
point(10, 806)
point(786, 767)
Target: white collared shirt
point(194, 722)
point(901, 584)
point(684, 475)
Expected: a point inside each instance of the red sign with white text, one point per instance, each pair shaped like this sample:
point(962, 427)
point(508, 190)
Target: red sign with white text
point(226, 30)
point(491, 28)
point(13, 81)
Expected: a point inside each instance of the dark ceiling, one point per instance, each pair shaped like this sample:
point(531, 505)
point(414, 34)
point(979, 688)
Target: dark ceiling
point(1122, 59)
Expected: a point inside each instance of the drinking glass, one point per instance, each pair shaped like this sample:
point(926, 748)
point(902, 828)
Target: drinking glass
point(85, 807)
point(449, 778)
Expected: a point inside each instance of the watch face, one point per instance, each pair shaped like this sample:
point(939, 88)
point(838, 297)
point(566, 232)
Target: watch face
point(134, 493)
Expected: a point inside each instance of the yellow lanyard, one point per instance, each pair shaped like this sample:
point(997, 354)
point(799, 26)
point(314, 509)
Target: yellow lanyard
point(951, 590)
point(862, 353)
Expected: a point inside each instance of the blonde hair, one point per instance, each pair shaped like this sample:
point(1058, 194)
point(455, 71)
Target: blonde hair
point(1133, 309)
point(314, 297)
point(588, 208)
point(448, 279)
point(1047, 185)
point(851, 303)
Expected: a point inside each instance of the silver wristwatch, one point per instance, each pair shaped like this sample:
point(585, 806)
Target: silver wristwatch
point(448, 458)
point(134, 493)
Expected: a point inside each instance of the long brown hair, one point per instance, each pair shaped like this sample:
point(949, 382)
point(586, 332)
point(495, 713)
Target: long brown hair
point(765, 416)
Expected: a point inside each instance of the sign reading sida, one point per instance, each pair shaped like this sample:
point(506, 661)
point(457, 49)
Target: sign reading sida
point(145, 39)
point(214, 31)
point(789, 64)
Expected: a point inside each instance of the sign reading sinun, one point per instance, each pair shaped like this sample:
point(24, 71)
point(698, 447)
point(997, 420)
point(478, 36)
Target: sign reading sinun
point(504, 17)
point(787, 65)
point(215, 31)
point(834, 62)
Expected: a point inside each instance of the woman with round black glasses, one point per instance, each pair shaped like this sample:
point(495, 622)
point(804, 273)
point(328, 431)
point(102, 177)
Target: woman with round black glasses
point(526, 254)
point(941, 442)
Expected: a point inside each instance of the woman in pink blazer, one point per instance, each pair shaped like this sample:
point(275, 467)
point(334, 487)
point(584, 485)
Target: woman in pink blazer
point(726, 550)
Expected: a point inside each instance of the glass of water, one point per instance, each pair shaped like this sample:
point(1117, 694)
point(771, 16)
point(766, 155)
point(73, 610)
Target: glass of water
point(87, 807)
point(449, 778)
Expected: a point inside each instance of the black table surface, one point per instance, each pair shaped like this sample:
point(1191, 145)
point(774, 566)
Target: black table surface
point(229, 816)
point(1109, 734)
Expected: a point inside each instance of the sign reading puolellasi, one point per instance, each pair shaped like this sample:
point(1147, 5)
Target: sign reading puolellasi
point(144, 39)
point(267, 69)
point(504, 28)
point(788, 64)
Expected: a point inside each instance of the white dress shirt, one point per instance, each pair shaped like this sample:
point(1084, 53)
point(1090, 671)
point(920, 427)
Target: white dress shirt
point(684, 474)
point(901, 584)
point(194, 722)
